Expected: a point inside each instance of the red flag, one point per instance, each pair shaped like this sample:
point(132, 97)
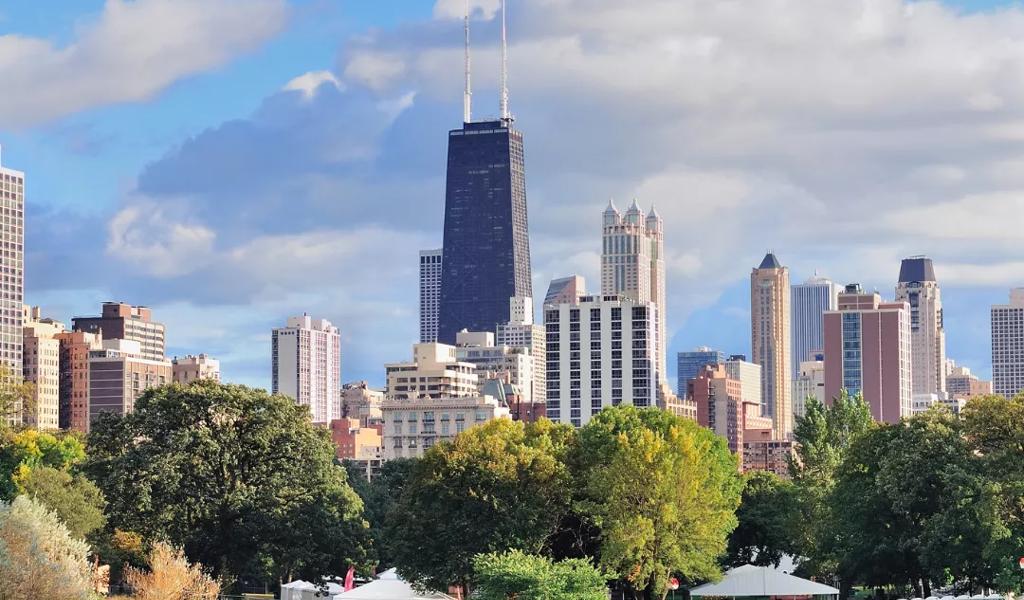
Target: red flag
point(350, 579)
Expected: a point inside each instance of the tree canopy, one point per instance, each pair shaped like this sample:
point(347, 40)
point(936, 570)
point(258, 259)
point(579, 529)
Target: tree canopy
point(514, 575)
point(240, 479)
point(767, 516)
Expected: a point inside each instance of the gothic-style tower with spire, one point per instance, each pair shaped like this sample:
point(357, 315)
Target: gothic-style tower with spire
point(486, 256)
point(633, 262)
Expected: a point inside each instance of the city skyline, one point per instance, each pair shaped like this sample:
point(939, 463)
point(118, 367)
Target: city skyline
point(116, 216)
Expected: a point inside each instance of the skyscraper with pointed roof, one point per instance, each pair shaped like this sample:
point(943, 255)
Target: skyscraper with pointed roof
point(633, 263)
point(919, 289)
point(770, 341)
point(486, 254)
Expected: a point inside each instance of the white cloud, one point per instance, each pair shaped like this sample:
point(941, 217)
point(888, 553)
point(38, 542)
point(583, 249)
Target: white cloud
point(132, 51)
point(308, 83)
point(155, 244)
point(376, 70)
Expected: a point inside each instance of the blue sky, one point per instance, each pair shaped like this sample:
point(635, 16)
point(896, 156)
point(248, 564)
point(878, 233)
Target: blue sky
point(232, 162)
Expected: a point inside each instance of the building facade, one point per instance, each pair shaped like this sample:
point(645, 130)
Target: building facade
point(120, 321)
point(435, 372)
point(195, 367)
point(12, 271)
point(809, 383)
point(359, 401)
point(565, 289)
point(119, 373)
point(689, 363)
point(749, 376)
point(810, 301)
point(919, 289)
point(761, 452)
point(961, 383)
point(41, 358)
point(868, 351)
point(306, 365)
point(75, 347)
point(514, 365)
point(1008, 345)
point(771, 336)
point(522, 333)
point(413, 426)
point(486, 255)
point(633, 264)
point(430, 293)
point(601, 352)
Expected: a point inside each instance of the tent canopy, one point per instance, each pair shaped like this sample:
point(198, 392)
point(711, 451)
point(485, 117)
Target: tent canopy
point(749, 580)
point(389, 586)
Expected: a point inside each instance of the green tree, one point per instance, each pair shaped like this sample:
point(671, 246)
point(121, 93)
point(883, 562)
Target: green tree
point(239, 478)
point(914, 508)
point(994, 428)
point(663, 492)
point(515, 575)
point(768, 515)
point(822, 438)
point(38, 556)
point(494, 487)
point(77, 502)
point(22, 451)
point(17, 398)
point(380, 497)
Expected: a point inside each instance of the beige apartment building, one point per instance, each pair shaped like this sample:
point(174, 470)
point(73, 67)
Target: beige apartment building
point(195, 367)
point(41, 367)
point(413, 426)
point(434, 372)
point(770, 341)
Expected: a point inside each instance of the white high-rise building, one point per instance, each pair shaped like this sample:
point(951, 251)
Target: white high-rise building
point(12, 269)
point(601, 352)
point(521, 333)
point(633, 265)
point(918, 288)
point(42, 367)
point(749, 376)
point(430, 293)
point(810, 381)
point(1008, 345)
point(307, 365)
point(810, 300)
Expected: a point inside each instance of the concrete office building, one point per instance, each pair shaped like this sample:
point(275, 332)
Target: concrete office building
point(306, 365)
point(1008, 345)
point(749, 376)
point(191, 368)
point(12, 271)
point(689, 363)
point(919, 289)
point(601, 352)
point(771, 337)
point(412, 426)
point(565, 289)
point(810, 301)
point(75, 347)
point(633, 265)
point(41, 358)
point(867, 351)
point(430, 293)
point(809, 382)
point(514, 365)
point(120, 321)
point(434, 372)
point(961, 383)
point(119, 373)
point(521, 333)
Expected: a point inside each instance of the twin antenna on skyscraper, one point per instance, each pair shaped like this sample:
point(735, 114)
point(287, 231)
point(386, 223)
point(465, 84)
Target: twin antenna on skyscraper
point(467, 98)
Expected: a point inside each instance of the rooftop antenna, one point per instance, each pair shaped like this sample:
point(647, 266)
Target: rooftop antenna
point(504, 68)
point(467, 95)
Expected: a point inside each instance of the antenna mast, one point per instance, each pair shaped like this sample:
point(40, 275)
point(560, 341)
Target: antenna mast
point(467, 95)
point(504, 68)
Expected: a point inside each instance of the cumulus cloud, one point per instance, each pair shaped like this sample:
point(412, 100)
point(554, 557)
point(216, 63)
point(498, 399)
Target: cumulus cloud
point(155, 244)
point(843, 135)
point(130, 52)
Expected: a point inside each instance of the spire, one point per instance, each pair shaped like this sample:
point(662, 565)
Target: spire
point(654, 213)
point(770, 262)
point(467, 95)
point(634, 207)
point(505, 116)
point(611, 206)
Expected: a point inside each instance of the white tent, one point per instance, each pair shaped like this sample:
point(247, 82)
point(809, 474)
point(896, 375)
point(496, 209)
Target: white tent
point(298, 590)
point(389, 586)
point(749, 580)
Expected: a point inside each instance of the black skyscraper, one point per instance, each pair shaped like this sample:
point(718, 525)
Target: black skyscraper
point(486, 245)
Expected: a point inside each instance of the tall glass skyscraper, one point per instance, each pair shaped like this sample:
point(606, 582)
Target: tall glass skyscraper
point(810, 300)
point(689, 363)
point(486, 258)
